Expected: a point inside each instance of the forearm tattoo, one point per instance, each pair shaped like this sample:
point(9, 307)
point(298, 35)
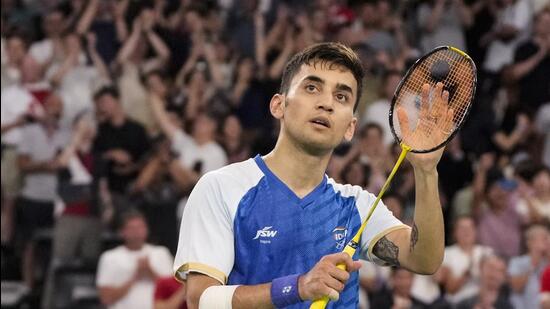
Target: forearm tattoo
point(414, 236)
point(386, 251)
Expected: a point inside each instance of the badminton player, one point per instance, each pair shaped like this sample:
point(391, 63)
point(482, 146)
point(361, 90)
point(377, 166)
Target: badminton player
point(268, 232)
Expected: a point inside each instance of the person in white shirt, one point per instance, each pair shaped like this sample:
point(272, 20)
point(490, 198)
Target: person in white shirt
point(513, 21)
point(378, 111)
point(53, 24)
point(75, 78)
point(461, 262)
point(199, 152)
point(126, 275)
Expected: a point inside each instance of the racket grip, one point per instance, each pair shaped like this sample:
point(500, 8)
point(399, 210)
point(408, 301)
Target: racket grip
point(322, 302)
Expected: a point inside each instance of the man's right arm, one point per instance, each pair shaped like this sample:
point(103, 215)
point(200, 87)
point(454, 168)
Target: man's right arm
point(324, 279)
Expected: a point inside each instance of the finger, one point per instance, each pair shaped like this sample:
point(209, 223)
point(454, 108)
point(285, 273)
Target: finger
point(335, 284)
point(449, 121)
point(338, 274)
point(355, 267)
point(403, 122)
point(333, 295)
point(425, 103)
point(337, 258)
point(440, 101)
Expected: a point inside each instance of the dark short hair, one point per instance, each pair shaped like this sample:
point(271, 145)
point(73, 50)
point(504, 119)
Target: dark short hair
point(330, 53)
point(107, 90)
point(528, 170)
point(371, 125)
point(131, 214)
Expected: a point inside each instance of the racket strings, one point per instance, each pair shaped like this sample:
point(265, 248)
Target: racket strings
point(433, 121)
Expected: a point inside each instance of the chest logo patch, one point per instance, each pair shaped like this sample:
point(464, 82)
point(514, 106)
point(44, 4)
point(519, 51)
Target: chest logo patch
point(339, 234)
point(265, 234)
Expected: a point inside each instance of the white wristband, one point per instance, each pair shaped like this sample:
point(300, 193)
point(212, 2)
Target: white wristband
point(217, 296)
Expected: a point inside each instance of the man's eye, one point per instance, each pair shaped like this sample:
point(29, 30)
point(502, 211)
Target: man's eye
point(311, 88)
point(342, 97)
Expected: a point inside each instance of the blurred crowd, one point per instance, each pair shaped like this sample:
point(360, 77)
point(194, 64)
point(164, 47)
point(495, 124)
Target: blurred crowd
point(113, 109)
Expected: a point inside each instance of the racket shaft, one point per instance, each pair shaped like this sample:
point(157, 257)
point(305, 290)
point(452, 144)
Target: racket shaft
point(353, 244)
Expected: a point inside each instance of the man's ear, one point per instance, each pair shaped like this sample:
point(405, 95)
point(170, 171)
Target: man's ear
point(351, 129)
point(277, 105)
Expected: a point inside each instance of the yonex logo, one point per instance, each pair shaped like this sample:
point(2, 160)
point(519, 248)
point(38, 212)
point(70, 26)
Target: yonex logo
point(265, 232)
point(287, 289)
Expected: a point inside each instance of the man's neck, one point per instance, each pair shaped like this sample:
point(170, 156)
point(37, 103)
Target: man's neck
point(118, 119)
point(300, 171)
point(134, 247)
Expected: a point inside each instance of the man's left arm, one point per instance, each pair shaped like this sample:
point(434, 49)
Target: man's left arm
point(421, 247)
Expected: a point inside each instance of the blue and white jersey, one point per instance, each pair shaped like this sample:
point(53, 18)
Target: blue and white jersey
point(243, 226)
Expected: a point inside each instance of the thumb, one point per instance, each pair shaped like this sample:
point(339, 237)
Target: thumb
point(355, 266)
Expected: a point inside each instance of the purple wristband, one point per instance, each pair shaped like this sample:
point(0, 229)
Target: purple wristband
point(284, 291)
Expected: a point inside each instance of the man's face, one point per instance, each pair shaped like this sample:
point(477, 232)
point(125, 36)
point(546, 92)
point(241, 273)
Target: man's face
point(465, 231)
point(135, 232)
point(317, 112)
point(106, 106)
point(402, 282)
point(53, 24)
point(53, 107)
point(493, 272)
point(15, 48)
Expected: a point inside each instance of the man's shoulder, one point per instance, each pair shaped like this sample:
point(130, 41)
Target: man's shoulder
point(236, 172)
point(231, 181)
point(131, 124)
point(346, 190)
point(14, 91)
point(114, 254)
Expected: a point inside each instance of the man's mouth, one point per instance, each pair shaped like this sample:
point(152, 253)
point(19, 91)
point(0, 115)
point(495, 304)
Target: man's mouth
point(323, 121)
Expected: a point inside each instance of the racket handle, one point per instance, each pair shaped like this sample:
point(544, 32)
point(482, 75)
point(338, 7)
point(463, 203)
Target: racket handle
point(322, 302)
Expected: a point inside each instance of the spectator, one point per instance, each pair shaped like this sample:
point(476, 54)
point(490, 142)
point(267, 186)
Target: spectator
point(534, 189)
point(133, 64)
point(495, 210)
point(75, 78)
point(13, 55)
point(121, 144)
point(513, 21)
point(526, 271)
point(198, 153)
point(491, 282)
point(443, 23)
point(378, 111)
point(37, 150)
point(106, 20)
point(399, 296)
point(47, 50)
point(455, 169)
point(461, 262)
point(545, 289)
point(126, 275)
point(77, 231)
point(531, 68)
point(232, 140)
point(170, 294)
point(157, 192)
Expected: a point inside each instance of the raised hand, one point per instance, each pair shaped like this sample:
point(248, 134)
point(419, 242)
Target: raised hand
point(433, 127)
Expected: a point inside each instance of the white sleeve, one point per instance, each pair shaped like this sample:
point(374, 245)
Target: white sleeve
point(106, 275)
point(24, 146)
point(206, 233)
point(181, 141)
point(522, 15)
point(380, 224)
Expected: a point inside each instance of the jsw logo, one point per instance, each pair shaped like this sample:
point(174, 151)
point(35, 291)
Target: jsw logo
point(265, 232)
